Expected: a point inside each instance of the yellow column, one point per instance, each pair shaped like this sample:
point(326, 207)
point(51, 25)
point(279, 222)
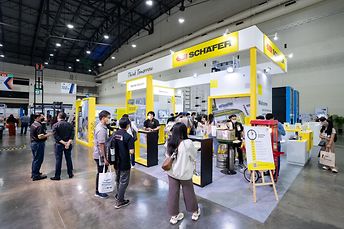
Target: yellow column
point(77, 109)
point(210, 105)
point(149, 94)
point(91, 120)
point(253, 83)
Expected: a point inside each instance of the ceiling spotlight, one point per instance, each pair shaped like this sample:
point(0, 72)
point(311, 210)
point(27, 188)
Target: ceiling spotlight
point(51, 54)
point(291, 55)
point(149, 2)
point(58, 45)
point(69, 67)
point(70, 26)
point(88, 52)
point(230, 69)
point(1, 45)
point(77, 60)
point(2, 55)
point(99, 64)
point(46, 63)
point(113, 57)
point(181, 20)
point(89, 70)
point(106, 36)
point(133, 45)
point(275, 37)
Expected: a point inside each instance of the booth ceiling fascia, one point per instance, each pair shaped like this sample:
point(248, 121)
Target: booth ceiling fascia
point(259, 14)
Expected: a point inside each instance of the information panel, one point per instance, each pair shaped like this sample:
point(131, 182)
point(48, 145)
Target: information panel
point(258, 148)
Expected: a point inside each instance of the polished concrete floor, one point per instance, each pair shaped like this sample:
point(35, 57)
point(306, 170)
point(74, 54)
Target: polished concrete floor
point(314, 200)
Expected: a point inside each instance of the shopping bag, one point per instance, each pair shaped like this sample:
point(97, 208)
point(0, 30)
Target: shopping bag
point(106, 181)
point(327, 158)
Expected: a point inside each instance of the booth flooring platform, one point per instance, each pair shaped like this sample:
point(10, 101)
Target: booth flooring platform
point(313, 200)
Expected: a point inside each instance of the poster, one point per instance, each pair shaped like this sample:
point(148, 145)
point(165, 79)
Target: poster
point(83, 121)
point(258, 148)
point(224, 107)
point(68, 88)
point(6, 82)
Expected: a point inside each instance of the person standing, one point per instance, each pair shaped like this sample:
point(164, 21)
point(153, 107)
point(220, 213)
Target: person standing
point(328, 134)
point(25, 120)
point(181, 174)
point(132, 130)
point(64, 134)
point(171, 118)
point(99, 154)
point(281, 132)
point(124, 147)
point(11, 123)
point(38, 137)
point(152, 124)
point(239, 133)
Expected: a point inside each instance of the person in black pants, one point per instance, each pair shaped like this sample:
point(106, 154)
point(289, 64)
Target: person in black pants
point(38, 137)
point(239, 132)
point(64, 135)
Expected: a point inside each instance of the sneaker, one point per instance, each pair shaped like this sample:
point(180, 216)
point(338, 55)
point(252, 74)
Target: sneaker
point(334, 170)
point(101, 195)
point(41, 177)
point(133, 167)
point(174, 219)
point(196, 215)
point(55, 178)
point(325, 168)
point(71, 176)
point(122, 204)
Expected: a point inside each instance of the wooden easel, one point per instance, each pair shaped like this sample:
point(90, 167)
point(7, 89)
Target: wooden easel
point(254, 184)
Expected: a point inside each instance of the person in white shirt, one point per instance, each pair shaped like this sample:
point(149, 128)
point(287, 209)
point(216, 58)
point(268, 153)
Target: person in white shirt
point(132, 130)
point(181, 174)
point(328, 134)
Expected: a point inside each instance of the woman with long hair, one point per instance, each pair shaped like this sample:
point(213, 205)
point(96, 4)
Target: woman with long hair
point(181, 174)
point(328, 134)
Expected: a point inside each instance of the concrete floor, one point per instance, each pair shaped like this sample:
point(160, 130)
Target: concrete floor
point(314, 200)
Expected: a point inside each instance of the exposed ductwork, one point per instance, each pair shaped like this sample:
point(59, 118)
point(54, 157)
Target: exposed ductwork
point(259, 14)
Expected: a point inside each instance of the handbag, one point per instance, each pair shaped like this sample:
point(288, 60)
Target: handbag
point(167, 164)
point(106, 181)
point(322, 143)
point(327, 158)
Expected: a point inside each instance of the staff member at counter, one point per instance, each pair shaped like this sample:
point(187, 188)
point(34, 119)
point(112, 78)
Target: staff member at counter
point(151, 124)
point(233, 124)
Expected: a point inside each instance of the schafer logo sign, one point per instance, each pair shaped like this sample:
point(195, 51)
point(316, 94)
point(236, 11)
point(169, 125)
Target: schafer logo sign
point(217, 47)
point(273, 52)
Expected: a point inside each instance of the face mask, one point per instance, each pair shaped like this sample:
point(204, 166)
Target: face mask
point(234, 121)
point(42, 119)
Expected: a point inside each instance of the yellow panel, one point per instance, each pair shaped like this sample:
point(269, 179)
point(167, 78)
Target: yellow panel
point(274, 53)
point(253, 83)
point(91, 120)
point(196, 179)
point(143, 146)
point(162, 134)
point(141, 161)
point(259, 165)
point(149, 94)
point(214, 83)
point(213, 48)
point(260, 89)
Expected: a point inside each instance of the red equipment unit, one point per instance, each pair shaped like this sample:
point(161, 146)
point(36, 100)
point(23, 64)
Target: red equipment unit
point(273, 125)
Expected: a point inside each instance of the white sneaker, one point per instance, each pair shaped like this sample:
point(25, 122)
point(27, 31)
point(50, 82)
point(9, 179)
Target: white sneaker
point(325, 168)
point(334, 170)
point(133, 167)
point(175, 219)
point(196, 215)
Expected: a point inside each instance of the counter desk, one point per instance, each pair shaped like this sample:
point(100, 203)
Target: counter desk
point(297, 152)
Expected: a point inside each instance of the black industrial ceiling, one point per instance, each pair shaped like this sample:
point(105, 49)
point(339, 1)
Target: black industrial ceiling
point(34, 31)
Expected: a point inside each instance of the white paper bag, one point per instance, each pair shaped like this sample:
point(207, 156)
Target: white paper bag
point(106, 181)
point(327, 158)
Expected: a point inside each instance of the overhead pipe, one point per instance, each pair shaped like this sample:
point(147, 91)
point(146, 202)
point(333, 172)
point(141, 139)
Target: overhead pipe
point(259, 14)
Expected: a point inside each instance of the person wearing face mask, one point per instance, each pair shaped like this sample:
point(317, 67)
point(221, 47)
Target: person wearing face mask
point(328, 134)
point(38, 137)
point(239, 133)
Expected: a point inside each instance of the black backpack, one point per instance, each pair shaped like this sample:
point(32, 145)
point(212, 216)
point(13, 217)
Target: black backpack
point(110, 147)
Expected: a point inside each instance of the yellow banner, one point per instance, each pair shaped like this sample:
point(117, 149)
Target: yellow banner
point(274, 53)
point(216, 47)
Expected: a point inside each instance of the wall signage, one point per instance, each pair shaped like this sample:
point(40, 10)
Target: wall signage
point(274, 53)
point(137, 84)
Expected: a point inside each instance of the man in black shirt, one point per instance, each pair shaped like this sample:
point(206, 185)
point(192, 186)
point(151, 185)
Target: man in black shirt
point(124, 146)
point(151, 124)
point(239, 133)
point(38, 137)
point(64, 135)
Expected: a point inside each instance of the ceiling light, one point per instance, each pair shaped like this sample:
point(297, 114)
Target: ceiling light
point(133, 45)
point(77, 60)
point(69, 67)
point(275, 37)
point(51, 54)
point(88, 52)
point(226, 32)
point(99, 64)
point(89, 70)
point(230, 69)
point(46, 63)
point(70, 26)
point(149, 2)
point(106, 36)
point(58, 45)
point(113, 57)
point(2, 55)
point(291, 55)
point(1, 45)
point(181, 20)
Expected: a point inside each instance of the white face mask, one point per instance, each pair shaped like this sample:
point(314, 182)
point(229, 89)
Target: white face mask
point(234, 121)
